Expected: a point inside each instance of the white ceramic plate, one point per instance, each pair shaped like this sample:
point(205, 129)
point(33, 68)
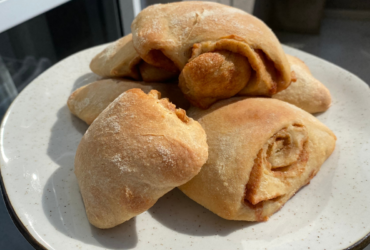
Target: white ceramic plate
point(39, 138)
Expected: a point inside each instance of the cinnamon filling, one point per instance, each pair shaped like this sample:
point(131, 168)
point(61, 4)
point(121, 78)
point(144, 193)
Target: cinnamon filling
point(160, 60)
point(278, 164)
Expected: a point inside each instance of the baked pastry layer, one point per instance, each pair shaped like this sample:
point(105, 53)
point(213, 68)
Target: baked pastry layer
point(139, 148)
point(88, 101)
point(261, 152)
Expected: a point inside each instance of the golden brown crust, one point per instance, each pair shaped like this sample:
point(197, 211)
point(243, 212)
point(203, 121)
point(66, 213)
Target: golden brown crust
point(306, 92)
point(120, 59)
point(214, 76)
point(248, 133)
point(178, 31)
point(89, 101)
point(268, 73)
point(137, 150)
point(266, 79)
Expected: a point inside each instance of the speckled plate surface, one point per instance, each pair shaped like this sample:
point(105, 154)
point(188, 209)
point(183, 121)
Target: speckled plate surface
point(39, 138)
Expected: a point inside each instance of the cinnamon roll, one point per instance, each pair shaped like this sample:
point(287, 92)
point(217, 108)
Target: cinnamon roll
point(261, 152)
point(139, 148)
point(190, 36)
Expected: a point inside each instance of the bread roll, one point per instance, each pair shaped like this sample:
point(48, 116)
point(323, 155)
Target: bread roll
point(90, 100)
point(306, 92)
point(120, 59)
point(261, 152)
point(139, 148)
point(172, 35)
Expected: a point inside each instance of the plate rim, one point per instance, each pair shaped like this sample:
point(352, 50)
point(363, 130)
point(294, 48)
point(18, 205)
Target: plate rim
point(358, 245)
point(15, 219)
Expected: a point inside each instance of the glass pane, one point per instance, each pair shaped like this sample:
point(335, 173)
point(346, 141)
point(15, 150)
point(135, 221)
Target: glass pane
point(30, 48)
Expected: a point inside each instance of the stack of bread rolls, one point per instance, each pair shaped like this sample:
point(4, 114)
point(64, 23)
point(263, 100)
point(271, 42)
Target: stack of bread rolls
point(234, 130)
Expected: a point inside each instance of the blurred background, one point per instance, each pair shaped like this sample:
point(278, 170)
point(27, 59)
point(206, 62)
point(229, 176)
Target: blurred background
point(36, 35)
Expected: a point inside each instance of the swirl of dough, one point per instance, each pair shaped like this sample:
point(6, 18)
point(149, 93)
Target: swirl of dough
point(172, 36)
point(278, 164)
point(213, 76)
point(261, 152)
